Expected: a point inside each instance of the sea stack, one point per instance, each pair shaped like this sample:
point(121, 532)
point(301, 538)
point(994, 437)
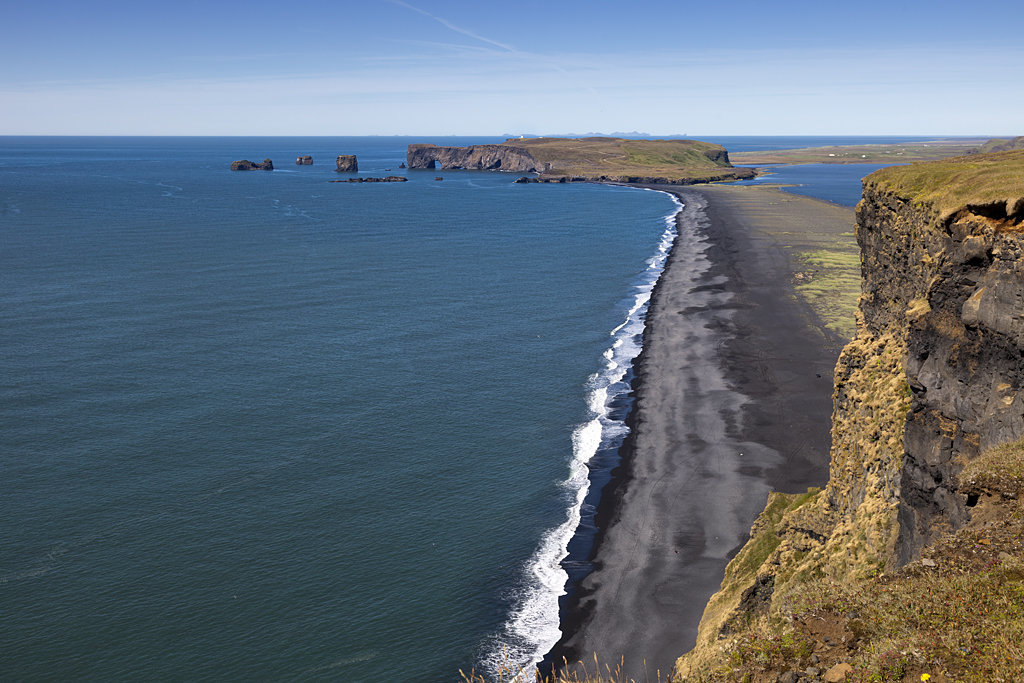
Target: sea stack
point(304, 160)
point(347, 163)
point(246, 165)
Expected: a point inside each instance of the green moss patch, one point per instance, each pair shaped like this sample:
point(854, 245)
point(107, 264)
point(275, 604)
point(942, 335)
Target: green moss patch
point(830, 283)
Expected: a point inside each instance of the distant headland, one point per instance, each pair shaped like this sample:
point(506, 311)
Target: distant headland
point(670, 162)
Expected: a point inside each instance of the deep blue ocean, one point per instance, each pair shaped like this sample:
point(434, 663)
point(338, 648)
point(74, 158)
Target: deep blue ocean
point(257, 425)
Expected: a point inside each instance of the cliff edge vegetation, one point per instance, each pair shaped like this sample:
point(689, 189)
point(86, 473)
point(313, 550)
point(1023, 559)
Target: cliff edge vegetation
point(676, 162)
point(909, 563)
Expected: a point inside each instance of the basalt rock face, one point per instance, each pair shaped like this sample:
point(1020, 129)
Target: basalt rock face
point(955, 288)
point(346, 163)
point(719, 156)
point(474, 157)
point(246, 165)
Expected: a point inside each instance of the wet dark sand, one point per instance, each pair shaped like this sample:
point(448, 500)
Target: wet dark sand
point(733, 399)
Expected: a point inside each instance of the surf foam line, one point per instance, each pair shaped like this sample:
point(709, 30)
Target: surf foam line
point(533, 627)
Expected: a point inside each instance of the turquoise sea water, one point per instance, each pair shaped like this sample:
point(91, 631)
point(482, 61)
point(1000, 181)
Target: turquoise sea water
point(259, 425)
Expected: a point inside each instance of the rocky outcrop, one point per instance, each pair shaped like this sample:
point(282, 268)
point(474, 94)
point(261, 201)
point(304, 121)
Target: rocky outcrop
point(718, 156)
point(346, 163)
point(474, 157)
point(955, 289)
point(306, 160)
point(385, 179)
point(246, 165)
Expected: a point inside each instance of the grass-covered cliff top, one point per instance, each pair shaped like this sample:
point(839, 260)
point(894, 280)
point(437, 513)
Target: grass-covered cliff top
point(980, 183)
point(618, 157)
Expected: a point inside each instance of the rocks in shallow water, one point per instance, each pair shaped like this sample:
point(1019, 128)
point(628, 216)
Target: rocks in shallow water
point(401, 165)
point(552, 179)
point(385, 179)
point(304, 161)
point(438, 178)
point(246, 165)
point(346, 163)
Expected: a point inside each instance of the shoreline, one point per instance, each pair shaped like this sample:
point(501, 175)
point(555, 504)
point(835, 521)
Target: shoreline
point(731, 398)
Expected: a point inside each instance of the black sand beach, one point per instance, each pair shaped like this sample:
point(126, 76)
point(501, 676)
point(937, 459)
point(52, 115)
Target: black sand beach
point(733, 399)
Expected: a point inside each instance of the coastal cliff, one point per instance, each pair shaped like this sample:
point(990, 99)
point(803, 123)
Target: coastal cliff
point(878, 573)
point(475, 157)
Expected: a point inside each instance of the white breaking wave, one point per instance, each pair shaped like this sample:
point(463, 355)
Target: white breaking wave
point(533, 627)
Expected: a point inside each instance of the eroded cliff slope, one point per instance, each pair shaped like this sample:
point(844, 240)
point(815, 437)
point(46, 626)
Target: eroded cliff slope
point(931, 384)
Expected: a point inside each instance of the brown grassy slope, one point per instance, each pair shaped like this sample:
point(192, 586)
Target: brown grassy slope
point(981, 183)
point(616, 158)
point(955, 615)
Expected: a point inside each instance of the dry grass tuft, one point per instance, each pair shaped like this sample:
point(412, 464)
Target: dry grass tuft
point(998, 470)
point(955, 615)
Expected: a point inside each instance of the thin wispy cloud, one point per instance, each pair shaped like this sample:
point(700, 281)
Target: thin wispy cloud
point(458, 29)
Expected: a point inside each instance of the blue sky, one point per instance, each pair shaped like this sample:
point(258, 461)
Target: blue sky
point(442, 67)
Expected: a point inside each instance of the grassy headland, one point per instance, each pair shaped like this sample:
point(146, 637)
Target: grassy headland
point(621, 160)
